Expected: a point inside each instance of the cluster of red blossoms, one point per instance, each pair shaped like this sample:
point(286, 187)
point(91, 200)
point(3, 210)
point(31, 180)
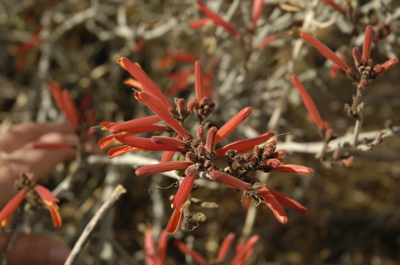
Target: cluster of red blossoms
point(197, 153)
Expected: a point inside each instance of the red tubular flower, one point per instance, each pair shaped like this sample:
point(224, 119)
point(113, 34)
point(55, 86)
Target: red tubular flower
point(148, 85)
point(106, 141)
point(244, 251)
point(308, 102)
point(169, 141)
point(328, 53)
point(231, 125)
point(51, 202)
point(22, 49)
point(381, 68)
point(335, 6)
point(65, 103)
point(199, 89)
point(145, 143)
point(178, 202)
point(183, 192)
point(174, 221)
point(223, 249)
point(283, 199)
point(229, 180)
point(256, 12)
point(134, 124)
point(244, 145)
point(162, 167)
point(149, 247)
point(266, 41)
point(155, 256)
point(200, 22)
point(273, 204)
point(134, 83)
point(120, 150)
point(218, 20)
point(367, 45)
point(302, 170)
point(188, 251)
point(10, 207)
point(163, 113)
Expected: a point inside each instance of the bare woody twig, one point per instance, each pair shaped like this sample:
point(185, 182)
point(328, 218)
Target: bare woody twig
point(118, 191)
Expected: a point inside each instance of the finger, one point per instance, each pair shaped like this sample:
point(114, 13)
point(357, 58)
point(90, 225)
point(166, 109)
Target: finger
point(39, 161)
point(21, 134)
point(35, 249)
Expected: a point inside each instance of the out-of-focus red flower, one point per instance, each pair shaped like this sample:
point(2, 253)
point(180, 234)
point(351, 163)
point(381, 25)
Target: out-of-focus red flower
point(26, 186)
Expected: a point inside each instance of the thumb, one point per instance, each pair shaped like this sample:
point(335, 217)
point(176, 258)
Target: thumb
point(34, 249)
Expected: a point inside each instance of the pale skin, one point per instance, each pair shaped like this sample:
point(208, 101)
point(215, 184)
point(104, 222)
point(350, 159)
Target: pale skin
point(18, 155)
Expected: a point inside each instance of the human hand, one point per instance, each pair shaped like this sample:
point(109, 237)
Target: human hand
point(34, 249)
point(17, 153)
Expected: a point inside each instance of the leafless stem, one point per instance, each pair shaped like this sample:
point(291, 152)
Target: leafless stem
point(118, 191)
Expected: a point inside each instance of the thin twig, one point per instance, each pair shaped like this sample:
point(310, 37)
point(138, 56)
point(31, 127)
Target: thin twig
point(118, 191)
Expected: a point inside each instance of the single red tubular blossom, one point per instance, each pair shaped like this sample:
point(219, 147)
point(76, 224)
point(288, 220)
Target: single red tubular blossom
point(149, 247)
point(169, 141)
point(356, 56)
point(256, 12)
point(70, 110)
point(243, 252)
point(65, 103)
point(183, 57)
point(210, 141)
point(335, 68)
point(335, 6)
point(231, 125)
point(218, 20)
point(229, 180)
point(148, 85)
point(51, 202)
point(266, 41)
point(308, 102)
point(367, 45)
point(145, 143)
point(324, 50)
point(134, 124)
point(52, 146)
point(134, 83)
point(167, 156)
point(272, 162)
point(162, 247)
point(302, 170)
point(147, 128)
point(245, 145)
point(106, 125)
point(200, 22)
point(385, 66)
point(164, 114)
point(162, 167)
point(273, 204)
point(120, 150)
point(174, 221)
point(183, 192)
point(188, 251)
point(10, 207)
point(106, 141)
point(224, 248)
point(198, 85)
point(283, 199)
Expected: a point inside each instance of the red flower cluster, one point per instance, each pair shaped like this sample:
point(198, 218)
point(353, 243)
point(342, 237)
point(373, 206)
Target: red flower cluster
point(199, 151)
point(36, 195)
point(362, 61)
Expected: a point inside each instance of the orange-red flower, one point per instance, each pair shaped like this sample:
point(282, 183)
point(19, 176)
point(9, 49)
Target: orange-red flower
point(27, 187)
point(242, 251)
point(155, 256)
